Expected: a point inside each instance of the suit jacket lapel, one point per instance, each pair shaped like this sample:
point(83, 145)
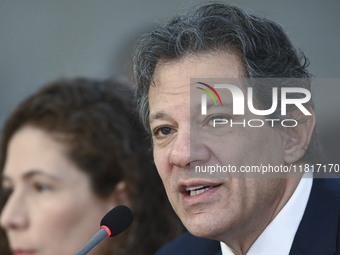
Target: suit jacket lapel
point(317, 232)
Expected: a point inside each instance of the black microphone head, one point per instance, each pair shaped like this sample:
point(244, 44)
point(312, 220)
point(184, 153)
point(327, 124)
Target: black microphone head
point(118, 219)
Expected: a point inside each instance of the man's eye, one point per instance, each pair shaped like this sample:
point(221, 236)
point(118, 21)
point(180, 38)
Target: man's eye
point(217, 121)
point(162, 132)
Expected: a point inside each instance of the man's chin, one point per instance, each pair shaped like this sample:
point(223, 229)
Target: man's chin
point(204, 227)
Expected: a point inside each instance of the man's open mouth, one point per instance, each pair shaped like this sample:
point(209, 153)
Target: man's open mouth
point(193, 191)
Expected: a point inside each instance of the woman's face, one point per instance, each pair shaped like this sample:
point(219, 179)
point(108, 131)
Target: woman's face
point(51, 208)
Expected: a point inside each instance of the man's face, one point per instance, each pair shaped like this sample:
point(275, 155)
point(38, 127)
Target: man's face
point(223, 205)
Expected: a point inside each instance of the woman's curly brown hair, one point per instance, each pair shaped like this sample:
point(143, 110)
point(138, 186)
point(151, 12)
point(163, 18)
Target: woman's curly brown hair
point(105, 139)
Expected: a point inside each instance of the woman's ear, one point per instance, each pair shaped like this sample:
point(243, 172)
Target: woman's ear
point(298, 137)
point(120, 195)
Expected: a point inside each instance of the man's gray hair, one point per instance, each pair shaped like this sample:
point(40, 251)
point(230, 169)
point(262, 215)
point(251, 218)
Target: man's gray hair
point(262, 45)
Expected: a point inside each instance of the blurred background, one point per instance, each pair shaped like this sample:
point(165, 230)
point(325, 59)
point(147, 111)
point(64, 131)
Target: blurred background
point(42, 40)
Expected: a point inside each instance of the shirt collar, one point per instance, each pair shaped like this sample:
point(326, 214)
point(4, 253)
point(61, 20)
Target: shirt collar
point(278, 236)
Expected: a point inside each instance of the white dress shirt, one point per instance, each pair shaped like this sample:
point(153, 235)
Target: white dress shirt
point(277, 238)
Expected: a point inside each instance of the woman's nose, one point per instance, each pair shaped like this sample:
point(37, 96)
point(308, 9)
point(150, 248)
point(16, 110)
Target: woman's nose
point(14, 215)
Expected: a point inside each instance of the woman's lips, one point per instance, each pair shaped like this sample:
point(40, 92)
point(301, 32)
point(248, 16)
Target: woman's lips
point(23, 252)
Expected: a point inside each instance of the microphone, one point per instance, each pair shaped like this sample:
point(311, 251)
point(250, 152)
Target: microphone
point(112, 224)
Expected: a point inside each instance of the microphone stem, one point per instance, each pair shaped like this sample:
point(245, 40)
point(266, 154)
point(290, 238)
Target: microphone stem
point(96, 239)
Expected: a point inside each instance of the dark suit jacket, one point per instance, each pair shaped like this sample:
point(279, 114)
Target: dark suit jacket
point(318, 232)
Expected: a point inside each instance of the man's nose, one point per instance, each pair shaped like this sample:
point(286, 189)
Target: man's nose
point(188, 149)
point(14, 215)
point(180, 150)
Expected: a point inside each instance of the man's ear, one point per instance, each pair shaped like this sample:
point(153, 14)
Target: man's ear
point(298, 138)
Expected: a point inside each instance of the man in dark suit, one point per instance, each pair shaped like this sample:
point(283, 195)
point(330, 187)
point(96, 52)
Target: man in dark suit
point(240, 176)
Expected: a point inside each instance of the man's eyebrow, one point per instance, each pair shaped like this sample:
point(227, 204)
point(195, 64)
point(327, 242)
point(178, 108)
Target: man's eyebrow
point(162, 114)
point(210, 105)
point(156, 116)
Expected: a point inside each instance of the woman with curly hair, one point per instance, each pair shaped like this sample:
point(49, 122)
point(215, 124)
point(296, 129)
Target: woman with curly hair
point(70, 153)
